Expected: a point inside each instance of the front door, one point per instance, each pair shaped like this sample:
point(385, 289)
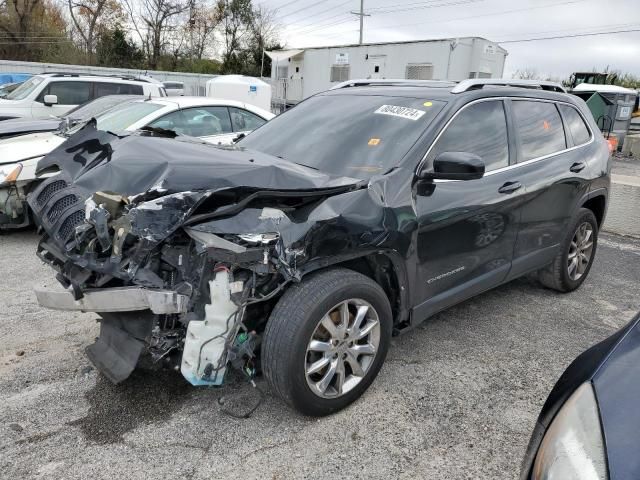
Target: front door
point(70, 94)
point(467, 229)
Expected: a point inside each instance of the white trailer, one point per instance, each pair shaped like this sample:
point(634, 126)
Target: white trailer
point(249, 90)
point(299, 73)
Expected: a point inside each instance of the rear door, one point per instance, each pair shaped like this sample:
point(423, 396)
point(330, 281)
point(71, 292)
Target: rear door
point(467, 229)
point(553, 167)
point(243, 121)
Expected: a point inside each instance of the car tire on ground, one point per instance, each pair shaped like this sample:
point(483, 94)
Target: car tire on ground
point(326, 340)
point(575, 257)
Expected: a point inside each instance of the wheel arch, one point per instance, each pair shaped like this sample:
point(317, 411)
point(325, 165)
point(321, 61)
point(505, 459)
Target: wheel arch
point(386, 268)
point(596, 201)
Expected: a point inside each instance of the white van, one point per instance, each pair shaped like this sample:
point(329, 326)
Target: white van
point(57, 93)
point(174, 89)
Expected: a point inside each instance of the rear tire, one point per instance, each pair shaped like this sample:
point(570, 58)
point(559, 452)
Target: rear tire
point(575, 256)
point(319, 370)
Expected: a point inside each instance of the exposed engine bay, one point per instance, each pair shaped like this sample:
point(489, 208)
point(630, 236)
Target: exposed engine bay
point(183, 248)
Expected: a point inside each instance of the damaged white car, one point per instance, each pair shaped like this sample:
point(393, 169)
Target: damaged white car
point(214, 120)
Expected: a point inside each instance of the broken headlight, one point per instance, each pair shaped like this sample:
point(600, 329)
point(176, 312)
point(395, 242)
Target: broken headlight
point(573, 447)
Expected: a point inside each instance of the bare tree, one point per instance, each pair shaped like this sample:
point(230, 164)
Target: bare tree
point(16, 22)
point(29, 27)
point(203, 21)
point(527, 74)
point(237, 16)
point(155, 21)
point(88, 16)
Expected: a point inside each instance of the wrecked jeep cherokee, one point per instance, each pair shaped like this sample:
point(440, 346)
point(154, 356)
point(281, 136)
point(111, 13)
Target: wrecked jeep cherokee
point(355, 215)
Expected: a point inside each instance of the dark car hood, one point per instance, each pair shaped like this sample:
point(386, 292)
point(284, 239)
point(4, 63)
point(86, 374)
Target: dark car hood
point(18, 126)
point(137, 163)
point(613, 368)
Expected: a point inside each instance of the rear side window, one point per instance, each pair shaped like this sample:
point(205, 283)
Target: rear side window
point(103, 89)
point(575, 124)
point(243, 120)
point(480, 129)
point(135, 90)
point(540, 128)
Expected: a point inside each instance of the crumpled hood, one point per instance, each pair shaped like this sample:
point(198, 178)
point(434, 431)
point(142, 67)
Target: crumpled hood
point(20, 148)
point(136, 163)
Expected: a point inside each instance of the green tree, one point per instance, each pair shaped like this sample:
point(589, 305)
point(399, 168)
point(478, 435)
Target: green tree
point(114, 49)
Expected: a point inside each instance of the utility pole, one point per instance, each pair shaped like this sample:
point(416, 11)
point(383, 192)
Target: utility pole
point(361, 14)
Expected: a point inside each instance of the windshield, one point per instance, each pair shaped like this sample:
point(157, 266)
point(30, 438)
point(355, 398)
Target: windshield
point(122, 117)
point(25, 89)
point(99, 105)
point(347, 135)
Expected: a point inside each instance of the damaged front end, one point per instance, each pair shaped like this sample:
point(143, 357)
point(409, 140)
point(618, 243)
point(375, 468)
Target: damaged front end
point(182, 248)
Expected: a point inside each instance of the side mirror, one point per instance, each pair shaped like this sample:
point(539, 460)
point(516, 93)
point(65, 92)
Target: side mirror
point(455, 166)
point(50, 100)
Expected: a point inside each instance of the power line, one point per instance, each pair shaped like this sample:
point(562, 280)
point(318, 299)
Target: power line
point(322, 12)
point(423, 7)
point(321, 27)
point(303, 9)
point(407, 5)
point(575, 35)
point(286, 5)
point(471, 17)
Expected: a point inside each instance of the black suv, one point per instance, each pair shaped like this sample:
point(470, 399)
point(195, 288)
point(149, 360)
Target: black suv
point(355, 215)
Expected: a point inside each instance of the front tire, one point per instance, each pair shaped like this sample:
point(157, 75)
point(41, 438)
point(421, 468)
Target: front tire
point(575, 257)
point(326, 340)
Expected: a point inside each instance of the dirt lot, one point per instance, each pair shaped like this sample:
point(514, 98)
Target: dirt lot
point(456, 399)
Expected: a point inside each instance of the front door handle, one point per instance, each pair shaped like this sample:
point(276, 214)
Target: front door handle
point(510, 187)
point(577, 167)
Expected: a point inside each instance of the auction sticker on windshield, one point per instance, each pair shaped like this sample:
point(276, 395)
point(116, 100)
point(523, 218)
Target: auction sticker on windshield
point(403, 112)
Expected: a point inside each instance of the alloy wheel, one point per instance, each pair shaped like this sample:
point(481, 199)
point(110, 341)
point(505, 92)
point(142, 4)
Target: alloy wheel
point(580, 251)
point(342, 348)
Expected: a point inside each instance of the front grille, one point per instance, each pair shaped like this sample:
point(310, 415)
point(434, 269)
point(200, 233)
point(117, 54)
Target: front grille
point(69, 225)
point(60, 206)
point(48, 191)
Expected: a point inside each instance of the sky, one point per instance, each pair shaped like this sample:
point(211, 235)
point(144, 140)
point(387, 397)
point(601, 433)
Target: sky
point(306, 23)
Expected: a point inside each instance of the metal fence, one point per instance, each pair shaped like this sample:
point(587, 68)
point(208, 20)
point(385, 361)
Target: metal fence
point(194, 83)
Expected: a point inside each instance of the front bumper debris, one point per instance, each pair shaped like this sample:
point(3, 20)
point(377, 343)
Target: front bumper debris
point(122, 299)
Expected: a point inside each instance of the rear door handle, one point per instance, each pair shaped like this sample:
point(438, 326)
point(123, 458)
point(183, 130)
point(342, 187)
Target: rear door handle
point(510, 187)
point(577, 167)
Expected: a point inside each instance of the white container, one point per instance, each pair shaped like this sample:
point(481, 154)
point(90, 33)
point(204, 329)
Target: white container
point(249, 90)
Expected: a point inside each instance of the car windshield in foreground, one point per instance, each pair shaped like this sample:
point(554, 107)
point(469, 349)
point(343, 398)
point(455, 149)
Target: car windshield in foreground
point(122, 117)
point(25, 89)
point(98, 106)
point(347, 135)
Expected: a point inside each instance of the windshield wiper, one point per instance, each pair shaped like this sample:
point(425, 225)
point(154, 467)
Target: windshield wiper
point(165, 132)
point(298, 163)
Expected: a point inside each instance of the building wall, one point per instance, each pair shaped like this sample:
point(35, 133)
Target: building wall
point(451, 60)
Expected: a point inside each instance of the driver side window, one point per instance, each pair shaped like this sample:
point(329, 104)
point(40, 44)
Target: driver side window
point(480, 129)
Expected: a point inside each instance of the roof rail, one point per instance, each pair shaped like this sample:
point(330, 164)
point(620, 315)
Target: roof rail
point(367, 82)
point(478, 83)
point(76, 74)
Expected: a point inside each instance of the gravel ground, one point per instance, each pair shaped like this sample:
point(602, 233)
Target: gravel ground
point(456, 399)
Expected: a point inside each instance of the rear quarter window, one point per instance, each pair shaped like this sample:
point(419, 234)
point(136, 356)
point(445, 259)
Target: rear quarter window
point(539, 127)
point(575, 124)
